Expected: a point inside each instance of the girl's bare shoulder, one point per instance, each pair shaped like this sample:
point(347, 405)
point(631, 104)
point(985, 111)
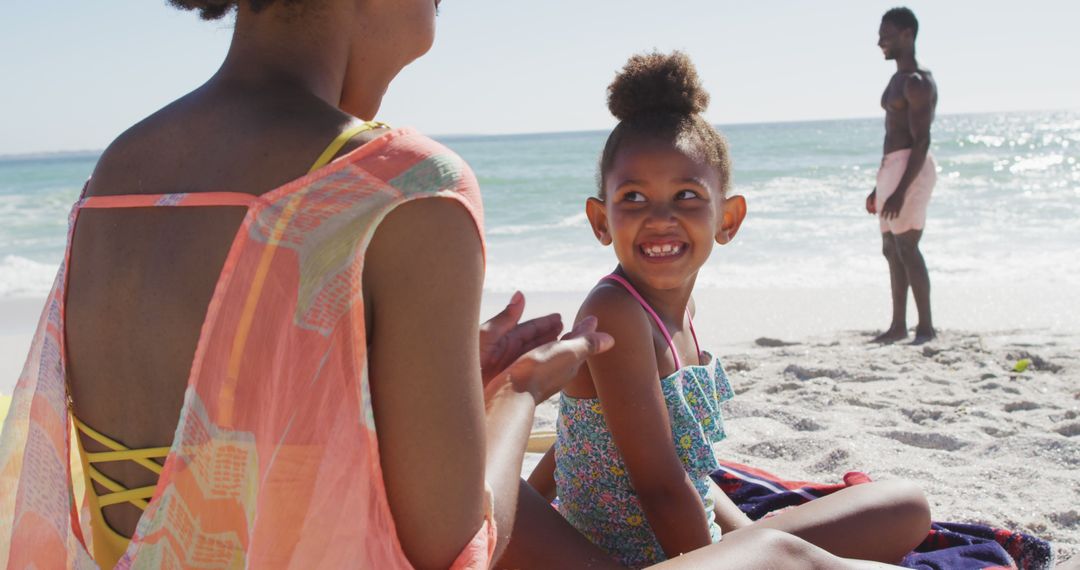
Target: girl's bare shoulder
point(619, 314)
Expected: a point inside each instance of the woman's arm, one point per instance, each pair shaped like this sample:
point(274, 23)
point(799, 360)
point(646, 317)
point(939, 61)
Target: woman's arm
point(540, 373)
point(628, 385)
point(422, 281)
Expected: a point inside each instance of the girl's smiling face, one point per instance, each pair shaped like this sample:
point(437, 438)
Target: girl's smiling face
point(662, 209)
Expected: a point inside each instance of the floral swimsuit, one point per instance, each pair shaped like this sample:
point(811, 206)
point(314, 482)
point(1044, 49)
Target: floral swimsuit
point(594, 488)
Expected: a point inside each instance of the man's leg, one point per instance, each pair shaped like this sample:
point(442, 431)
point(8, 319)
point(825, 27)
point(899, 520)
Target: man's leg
point(908, 245)
point(899, 279)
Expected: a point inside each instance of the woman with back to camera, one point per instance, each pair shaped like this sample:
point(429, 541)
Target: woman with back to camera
point(231, 332)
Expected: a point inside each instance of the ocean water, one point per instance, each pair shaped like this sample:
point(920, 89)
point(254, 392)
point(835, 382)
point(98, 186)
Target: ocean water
point(1006, 209)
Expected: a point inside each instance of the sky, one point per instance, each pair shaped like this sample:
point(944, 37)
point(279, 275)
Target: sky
point(74, 73)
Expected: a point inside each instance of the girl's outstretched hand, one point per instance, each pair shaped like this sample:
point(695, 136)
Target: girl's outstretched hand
point(544, 370)
point(503, 339)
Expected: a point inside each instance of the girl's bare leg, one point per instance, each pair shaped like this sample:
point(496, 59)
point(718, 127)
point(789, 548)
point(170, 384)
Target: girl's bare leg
point(542, 539)
point(765, 549)
point(875, 521)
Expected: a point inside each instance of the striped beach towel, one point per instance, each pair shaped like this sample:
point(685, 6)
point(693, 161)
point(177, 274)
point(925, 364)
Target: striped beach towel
point(948, 546)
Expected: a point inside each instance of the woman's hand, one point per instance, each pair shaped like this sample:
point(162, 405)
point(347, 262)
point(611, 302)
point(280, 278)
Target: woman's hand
point(503, 339)
point(871, 202)
point(544, 370)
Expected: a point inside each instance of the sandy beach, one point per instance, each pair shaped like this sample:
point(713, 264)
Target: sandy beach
point(986, 444)
point(815, 400)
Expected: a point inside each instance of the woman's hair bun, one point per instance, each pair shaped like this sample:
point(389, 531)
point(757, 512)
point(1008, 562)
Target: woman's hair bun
point(657, 83)
point(208, 9)
point(215, 9)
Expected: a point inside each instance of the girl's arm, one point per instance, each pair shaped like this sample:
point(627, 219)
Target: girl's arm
point(542, 477)
point(728, 515)
point(627, 383)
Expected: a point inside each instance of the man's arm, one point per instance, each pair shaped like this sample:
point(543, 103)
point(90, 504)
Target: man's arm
point(919, 92)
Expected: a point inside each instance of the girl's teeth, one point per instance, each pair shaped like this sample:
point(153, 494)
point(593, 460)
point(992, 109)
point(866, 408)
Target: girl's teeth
point(662, 250)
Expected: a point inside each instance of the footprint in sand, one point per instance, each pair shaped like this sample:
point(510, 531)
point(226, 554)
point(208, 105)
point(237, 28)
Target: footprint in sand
point(996, 386)
point(792, 421)
point(1069, 430)
point(1067, 519)
point(806, 373)
point(946, 403)
point(1063, 451)
point(923, 415)
point(785, 387)
point(1021, 406)
point(926, 440)
point(786, 449)
point(995, 432)
point(738, 365)
point(867, 404)
point(1068, 415)
point(773, 342)
point(833, 462)
point(929, 351)
point(733, 410)
point(807, 424)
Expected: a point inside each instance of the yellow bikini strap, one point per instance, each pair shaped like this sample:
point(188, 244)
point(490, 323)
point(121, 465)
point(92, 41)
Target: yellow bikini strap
point(117, 492)
point(335, 146)
point(119, 452)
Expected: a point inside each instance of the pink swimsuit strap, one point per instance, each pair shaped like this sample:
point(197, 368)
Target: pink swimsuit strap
point(663, 329)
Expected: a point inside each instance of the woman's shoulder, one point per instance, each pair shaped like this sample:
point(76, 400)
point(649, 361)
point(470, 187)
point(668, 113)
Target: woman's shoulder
point(216, 142)
point(412, 162)
point(213, 143)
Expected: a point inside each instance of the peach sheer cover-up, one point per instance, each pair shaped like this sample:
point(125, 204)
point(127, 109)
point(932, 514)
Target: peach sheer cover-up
point(275, 461)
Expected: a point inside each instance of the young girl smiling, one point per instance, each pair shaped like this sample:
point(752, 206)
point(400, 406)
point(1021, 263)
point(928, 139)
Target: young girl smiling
point(636, 426)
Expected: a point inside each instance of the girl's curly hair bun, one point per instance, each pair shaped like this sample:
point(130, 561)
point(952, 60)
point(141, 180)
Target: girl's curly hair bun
point(657, 83)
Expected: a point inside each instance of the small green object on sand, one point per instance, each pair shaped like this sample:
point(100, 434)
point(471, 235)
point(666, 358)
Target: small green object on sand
point(1022, 365)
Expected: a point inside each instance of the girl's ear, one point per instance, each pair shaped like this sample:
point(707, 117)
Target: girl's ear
point(597, 214)
point(733, 212)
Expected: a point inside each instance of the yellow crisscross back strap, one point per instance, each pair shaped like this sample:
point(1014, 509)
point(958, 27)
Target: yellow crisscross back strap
point(118, 452)
point(335, 146)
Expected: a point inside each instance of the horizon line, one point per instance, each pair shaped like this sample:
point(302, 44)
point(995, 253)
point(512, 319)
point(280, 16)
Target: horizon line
point(68, 153)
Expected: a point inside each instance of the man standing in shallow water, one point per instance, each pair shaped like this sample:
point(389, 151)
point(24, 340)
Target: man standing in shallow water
point(907, 175)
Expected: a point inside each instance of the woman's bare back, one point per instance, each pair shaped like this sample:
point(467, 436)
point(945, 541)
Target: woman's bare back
point(142, 278)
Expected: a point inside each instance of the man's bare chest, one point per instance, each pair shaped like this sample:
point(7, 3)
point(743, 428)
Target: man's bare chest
point(892, 99)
